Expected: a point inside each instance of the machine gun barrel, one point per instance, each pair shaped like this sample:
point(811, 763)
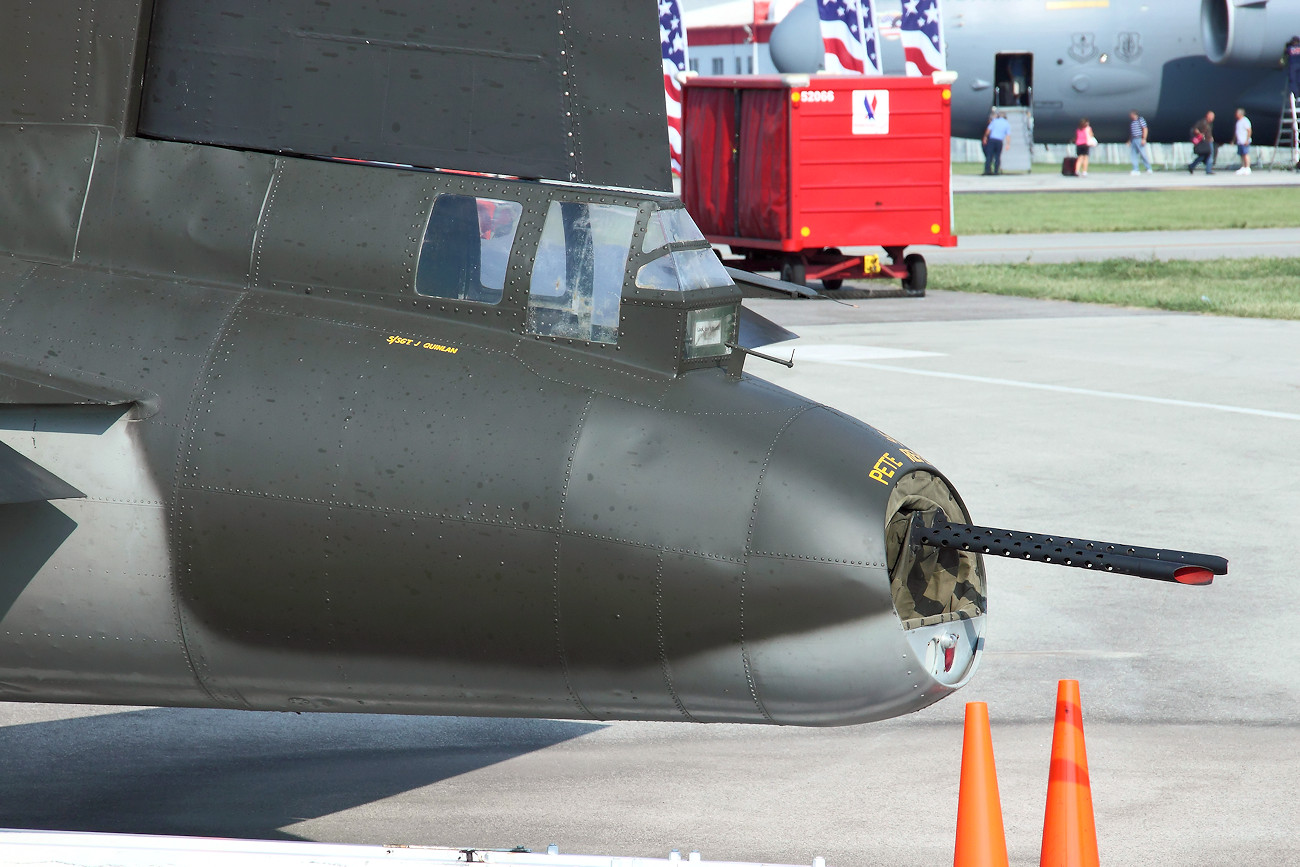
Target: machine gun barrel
point(1183, 567)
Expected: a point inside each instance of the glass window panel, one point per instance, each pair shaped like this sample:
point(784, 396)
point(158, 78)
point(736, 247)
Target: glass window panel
point(670, 226)
point(577, 279)
point(466, 248)
point(700, 269)
point(682, 270)
point(659, 274)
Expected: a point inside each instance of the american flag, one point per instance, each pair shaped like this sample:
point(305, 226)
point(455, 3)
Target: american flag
point(672, 39)
point(841, 22)
point(921, 33)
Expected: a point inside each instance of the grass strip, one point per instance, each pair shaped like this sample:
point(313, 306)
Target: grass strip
point(1257, 288)
point(1125, 210)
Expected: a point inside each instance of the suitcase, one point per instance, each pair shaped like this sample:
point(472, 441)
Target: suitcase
point(1067, 166)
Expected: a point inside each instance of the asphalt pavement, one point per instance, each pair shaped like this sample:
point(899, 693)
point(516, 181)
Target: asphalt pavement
point(1133, 426)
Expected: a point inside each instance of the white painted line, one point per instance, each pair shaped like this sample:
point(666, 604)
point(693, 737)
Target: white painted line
point(834, 353)
point(1088, 392)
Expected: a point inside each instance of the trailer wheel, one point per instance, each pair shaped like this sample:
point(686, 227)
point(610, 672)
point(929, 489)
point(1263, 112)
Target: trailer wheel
point(914, 282)
point(794, 271)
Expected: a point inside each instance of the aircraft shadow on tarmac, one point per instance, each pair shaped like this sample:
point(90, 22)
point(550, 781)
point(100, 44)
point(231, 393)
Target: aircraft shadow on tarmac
point(239, 774)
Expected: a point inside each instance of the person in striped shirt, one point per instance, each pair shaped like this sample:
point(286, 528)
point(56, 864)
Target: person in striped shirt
point(1137, 142)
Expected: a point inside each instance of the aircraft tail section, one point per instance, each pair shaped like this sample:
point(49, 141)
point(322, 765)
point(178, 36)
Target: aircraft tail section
point(570, 90)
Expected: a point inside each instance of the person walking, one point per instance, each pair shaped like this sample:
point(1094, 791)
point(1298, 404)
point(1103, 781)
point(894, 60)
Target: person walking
point(1137, 142)
point(1241, 134)
point(1203, 144)
point(995, 135)
point(1083, 141)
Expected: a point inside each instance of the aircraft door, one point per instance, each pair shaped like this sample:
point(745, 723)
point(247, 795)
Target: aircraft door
point(1013, 97)
point(1013, 79)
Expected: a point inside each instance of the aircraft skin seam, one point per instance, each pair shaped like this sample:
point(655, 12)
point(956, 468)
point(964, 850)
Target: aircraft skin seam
point(259, 231)
point(133, 390)
point(51, 338)
point(465, 519)
point(64, 637)
point(69, 275)
point(664, 665)
point(90, 179)
point(555, 579)
point(185, 443)
point(570, 101)
point(744, 572)
point(625, 399)
point(110, 501)
point(780, 555)
point(666, 382)
point(649, 380)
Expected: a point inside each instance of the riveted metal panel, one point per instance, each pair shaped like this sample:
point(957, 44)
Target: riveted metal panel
point(703, 615)
point(175, 209)
point(520, 87)
point(459, 608)
point(68, 61)
point(640, 459)
point(823, 643)
point(138, 337)
point(616, 101)
point(821, 502)
point(610, 622)
point(342, 226)
point(44, 172)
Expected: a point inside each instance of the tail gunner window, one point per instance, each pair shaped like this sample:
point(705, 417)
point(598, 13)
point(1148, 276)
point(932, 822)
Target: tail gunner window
point(577, 281)
point(466, 248)
point(683, 258)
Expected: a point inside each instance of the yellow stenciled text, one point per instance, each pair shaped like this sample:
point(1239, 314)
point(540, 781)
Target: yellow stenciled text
point(884, 468)
point(394, 340)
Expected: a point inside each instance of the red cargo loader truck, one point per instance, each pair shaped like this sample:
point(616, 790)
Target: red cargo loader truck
point(788, 170)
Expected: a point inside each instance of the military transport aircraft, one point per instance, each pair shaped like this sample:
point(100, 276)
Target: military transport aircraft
point(1067, 59)
point(289, 424)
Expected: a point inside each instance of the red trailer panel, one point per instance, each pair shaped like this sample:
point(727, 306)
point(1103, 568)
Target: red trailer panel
point(787, 169)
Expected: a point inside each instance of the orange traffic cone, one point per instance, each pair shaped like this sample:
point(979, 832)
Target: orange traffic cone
point(1069, 830)
point(981, 840)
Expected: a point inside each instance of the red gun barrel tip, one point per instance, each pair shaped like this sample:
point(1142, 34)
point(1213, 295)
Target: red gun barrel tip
point(1193, 575)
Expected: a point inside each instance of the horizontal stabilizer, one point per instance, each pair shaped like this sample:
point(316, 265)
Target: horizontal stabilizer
point(750, 280)
point(24, 481)
point(757, 330)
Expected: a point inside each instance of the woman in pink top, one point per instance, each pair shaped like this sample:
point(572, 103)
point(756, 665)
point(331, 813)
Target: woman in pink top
point(1082, 145)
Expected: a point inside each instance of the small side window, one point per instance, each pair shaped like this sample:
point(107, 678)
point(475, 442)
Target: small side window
point(577, 281)
point(466, 248)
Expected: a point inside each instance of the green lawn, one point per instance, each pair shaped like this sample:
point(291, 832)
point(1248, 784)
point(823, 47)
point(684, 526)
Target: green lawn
point(1126, 210)
point(1264, 288)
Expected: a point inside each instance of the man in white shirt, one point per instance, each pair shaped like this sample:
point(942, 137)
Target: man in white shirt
point(1243, 141)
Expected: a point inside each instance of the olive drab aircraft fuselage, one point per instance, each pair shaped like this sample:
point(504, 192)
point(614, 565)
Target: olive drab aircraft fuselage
point(287, 432)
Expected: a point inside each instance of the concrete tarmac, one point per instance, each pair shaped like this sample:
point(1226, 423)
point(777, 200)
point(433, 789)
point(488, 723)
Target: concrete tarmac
point(1131, 426)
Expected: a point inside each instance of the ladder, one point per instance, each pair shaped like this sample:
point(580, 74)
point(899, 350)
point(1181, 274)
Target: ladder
point(1288, 134)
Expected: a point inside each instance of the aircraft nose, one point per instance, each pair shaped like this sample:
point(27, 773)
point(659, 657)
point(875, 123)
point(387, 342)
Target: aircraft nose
point(753, 568)
point(829, 513)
